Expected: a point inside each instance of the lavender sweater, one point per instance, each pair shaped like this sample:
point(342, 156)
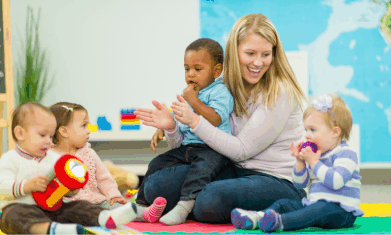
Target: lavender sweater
point(260, 142)
point(335, 178)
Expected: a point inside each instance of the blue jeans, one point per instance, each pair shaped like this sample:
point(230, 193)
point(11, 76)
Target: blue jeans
point(205, 163)
point(321, 214)
point(235, 187)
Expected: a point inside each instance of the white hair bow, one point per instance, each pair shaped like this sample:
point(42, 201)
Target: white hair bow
point(323, 103)
point(70, 109)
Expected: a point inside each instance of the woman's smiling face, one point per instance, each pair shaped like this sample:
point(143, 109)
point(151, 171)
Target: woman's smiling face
point(255, 57)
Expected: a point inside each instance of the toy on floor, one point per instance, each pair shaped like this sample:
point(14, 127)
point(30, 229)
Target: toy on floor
point(125, 180)
point(69, 173)
point(312, 145)
point(130, 193)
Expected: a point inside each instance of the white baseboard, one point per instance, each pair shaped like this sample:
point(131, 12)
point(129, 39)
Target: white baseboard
point(354, 141)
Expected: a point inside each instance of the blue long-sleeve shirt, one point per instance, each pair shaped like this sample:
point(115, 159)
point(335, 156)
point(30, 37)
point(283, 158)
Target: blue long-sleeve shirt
point(335, 178)
point(216, 96)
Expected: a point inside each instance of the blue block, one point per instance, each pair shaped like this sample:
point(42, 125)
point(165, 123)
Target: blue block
point(103, 124)
point(130, 127)
point(127, 111)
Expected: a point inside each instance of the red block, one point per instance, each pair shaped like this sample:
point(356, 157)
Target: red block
point(128, 116)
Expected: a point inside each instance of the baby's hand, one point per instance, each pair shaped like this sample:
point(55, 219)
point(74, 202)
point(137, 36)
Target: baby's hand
point(156, 138)
point(190, 93)
point(37, 183)
point(309, 156)
point(295, 151)
point(118, 199)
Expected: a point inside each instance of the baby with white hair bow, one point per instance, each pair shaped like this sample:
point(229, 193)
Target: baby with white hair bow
point(334, 194)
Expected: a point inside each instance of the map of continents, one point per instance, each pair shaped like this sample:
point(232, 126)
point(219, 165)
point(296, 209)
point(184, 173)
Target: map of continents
point(348, 45)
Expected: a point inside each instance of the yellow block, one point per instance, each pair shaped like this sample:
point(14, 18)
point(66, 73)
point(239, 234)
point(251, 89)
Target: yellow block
point(57, 195)
point(376, 209)
point(92, 128)
point(130, 121)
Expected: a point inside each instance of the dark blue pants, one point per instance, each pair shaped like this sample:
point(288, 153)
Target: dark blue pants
point(321, 214)
point(204, 163)
point(234, 187)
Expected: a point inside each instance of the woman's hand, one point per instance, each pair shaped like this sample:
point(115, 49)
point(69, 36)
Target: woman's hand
point(156, 138)
point(183, 112)
point(161, 117)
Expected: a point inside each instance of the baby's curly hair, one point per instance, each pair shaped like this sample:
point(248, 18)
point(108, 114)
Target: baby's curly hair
point(211, 46)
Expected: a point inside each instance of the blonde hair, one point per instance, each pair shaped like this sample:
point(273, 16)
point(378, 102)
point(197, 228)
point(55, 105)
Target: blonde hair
point(64, 115)
point(343, 117)
point(279, 70)
point(21, 113)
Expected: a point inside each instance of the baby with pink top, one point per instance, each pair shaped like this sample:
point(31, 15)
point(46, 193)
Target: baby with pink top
point(71, 137)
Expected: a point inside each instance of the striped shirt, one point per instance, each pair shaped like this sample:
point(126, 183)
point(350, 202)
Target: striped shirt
point(335, 178)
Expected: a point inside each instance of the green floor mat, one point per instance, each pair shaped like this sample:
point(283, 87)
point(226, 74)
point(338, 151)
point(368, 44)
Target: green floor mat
point(363, 225)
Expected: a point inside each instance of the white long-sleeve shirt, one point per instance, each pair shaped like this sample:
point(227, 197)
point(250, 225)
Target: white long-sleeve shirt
point(16, 167)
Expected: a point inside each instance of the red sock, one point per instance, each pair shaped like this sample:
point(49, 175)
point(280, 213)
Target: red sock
point(154, 211)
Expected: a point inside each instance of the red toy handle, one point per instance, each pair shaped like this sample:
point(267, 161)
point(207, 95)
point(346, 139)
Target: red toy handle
point(42, 197)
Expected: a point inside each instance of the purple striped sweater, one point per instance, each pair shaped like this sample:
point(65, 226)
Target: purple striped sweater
point(335, 178)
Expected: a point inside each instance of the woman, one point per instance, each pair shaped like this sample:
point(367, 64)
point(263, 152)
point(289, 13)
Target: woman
point(267, 117)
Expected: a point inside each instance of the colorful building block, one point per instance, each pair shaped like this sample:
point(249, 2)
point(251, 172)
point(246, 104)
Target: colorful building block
point(103, 124)
point(129, 120)
point(92, 128)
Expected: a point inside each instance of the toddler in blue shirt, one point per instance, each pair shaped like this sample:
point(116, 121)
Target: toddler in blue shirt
point(208, 97)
